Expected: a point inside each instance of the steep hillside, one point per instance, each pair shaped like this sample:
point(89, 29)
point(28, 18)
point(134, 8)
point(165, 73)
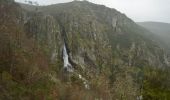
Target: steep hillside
point(78, 51)
point(98, 23)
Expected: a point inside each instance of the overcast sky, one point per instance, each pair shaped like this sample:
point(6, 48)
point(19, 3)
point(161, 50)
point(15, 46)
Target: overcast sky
point(138, 10)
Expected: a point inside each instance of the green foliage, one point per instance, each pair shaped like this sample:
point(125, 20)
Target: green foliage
point(156, 84)
point(111, 59)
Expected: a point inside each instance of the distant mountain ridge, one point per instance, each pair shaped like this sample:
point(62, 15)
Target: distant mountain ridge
point(162, 30)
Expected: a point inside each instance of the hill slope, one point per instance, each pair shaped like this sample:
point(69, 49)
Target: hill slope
point(78, 50)
point(162, 30)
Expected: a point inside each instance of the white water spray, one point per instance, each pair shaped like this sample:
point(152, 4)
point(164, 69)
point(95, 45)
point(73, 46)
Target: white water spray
point(67, 64)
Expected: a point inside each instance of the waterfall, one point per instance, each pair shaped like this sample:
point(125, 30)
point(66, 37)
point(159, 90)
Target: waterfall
point(67, 64)
point(68, 67)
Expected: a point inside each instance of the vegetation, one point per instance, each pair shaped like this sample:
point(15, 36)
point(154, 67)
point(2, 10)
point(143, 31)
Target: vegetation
point(156, 84)
point(115, 58)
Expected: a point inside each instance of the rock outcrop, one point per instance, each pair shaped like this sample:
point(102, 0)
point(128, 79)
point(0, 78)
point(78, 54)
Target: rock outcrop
point(77, 48)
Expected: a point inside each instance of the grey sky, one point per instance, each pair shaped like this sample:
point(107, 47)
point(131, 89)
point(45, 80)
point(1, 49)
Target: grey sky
point(138, 10)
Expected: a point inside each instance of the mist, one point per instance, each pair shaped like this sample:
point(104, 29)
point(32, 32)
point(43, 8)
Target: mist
point(138, 10)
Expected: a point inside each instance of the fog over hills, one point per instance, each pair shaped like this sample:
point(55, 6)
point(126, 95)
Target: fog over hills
point(160, 29)
point(138, 10)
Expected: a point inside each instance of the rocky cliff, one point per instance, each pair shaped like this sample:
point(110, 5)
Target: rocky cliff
point(79, 50)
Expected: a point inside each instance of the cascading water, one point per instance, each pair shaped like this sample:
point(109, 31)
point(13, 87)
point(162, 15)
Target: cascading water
point(67, 64)
point(68, 67)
